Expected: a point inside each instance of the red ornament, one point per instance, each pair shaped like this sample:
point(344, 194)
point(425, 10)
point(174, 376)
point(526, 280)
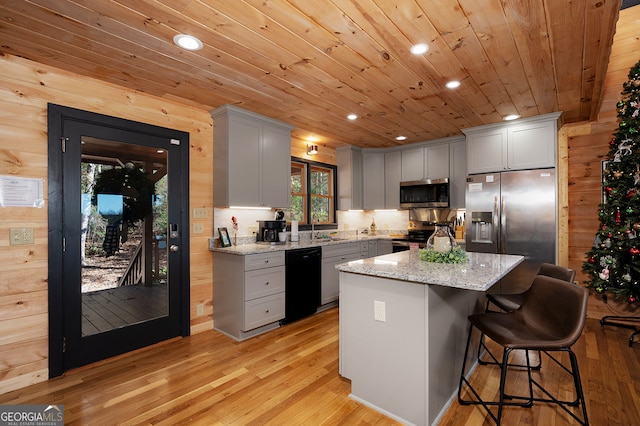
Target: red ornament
point(612, 142)
point(608, 189)
point(631, 299)
point(592, 260)
point(631, 193)
point(618, 218)
point(634, 251)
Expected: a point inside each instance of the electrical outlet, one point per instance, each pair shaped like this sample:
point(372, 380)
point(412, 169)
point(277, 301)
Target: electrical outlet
point(27, 235)
point(198, 228)
point(200, 213)
point(379, 311)
point(200, 309)
point(252, 229)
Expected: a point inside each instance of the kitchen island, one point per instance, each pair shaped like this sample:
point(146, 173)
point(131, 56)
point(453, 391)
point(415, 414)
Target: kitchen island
point(403, 328)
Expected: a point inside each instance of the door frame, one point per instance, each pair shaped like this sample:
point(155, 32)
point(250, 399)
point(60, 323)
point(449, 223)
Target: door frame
point(57, 115)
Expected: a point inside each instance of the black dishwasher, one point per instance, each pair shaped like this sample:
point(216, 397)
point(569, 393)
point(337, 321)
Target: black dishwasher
point(302, 283)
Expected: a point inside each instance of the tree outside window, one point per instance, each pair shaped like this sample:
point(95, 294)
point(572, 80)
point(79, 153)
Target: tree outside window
point(321, 191)
point(312, 184)
point(298, 192)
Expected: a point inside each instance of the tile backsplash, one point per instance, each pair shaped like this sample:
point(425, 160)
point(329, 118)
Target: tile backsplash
point(387, 221)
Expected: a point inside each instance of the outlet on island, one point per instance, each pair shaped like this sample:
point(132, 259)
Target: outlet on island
point(379, 313)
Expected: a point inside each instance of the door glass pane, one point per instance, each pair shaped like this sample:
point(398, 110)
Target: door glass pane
point(123, 234)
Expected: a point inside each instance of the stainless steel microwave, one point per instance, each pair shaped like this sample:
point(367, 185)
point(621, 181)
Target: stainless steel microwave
point(430, 193)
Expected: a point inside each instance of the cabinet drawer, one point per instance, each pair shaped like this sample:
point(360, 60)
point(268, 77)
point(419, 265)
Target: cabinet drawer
point(263, 282)
point(340, 249)
point(263, 260)
point(262, 311)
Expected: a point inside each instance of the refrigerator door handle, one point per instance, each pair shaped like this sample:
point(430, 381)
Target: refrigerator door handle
point(496, 225)
point(503, 226)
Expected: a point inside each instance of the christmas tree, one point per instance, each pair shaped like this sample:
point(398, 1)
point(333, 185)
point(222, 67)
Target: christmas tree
point(613, 263)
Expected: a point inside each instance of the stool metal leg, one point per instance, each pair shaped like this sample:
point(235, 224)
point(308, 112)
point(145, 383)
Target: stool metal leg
point(503, 377)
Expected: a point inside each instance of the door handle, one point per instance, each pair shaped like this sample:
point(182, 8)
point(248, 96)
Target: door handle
point(174, 248)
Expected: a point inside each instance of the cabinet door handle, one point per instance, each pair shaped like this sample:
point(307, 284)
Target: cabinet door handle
point(266, 261)
point(267, 283)
point(266, 312)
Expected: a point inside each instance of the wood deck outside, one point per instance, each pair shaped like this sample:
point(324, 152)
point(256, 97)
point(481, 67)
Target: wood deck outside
point(105, 310)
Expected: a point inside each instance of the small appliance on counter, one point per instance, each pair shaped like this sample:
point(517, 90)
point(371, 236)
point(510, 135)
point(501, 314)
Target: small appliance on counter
point(268, 231)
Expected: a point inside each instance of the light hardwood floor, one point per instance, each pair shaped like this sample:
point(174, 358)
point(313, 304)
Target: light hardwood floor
point(290, 377)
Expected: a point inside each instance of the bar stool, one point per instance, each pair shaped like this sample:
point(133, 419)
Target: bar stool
point(550, 319)
point(510, 302)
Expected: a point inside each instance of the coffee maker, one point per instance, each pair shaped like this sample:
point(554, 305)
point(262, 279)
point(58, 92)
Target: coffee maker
point(268, 230)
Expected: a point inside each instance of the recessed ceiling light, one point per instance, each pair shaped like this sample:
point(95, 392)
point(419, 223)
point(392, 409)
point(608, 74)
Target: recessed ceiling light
point(511, 117)
point(352, 116)
point(401, 138)
point(419, 49)
point(453, 84)
point(187, 41)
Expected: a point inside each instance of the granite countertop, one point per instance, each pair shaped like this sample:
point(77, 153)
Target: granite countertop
point(244, 249)
point(480, 272)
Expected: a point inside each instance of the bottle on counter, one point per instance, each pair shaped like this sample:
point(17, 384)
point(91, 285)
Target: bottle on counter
point(372, 228)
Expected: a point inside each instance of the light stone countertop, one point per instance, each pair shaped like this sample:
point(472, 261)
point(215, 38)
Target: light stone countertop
point(245, 249)
point(481, 271)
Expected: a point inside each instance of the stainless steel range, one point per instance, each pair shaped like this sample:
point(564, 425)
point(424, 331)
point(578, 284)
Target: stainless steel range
point(422, 223)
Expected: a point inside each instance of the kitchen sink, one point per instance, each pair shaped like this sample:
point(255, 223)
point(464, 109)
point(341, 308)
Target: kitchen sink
point(331, 239)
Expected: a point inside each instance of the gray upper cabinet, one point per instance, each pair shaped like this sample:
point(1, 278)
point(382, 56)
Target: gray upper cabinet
point(524, 144)
point(429, 162)
point(392, 179)
point(369, 179)
point(349, 162)
point(457, 173)
point(412, 164)
point(251, 165)
point(373, 184)
point(436, 161)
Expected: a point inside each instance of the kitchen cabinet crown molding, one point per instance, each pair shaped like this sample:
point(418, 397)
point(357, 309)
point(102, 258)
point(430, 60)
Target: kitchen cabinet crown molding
point(553, 116)
point(230, 109)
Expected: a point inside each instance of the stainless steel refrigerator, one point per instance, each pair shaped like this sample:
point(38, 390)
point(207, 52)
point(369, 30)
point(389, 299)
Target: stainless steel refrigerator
point(513, 213)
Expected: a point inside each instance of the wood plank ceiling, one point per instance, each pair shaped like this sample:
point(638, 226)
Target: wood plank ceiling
point(311, 63)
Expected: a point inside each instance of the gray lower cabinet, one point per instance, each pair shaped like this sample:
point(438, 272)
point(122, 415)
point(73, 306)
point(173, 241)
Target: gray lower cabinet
point(331, 256)
point(372, 248)
point(385, 246)
point(248, 293)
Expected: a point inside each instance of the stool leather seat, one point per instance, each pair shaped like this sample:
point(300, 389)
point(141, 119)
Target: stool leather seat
point(550, 318)
point(510, 302)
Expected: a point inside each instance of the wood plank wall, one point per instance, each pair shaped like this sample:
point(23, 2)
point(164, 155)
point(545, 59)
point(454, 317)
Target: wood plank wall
point(588, 146)
point(25, 89)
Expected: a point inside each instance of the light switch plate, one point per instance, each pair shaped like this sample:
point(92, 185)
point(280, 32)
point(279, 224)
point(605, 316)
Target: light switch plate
point(21, 236)
point(198, 228)
point(200, 213)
